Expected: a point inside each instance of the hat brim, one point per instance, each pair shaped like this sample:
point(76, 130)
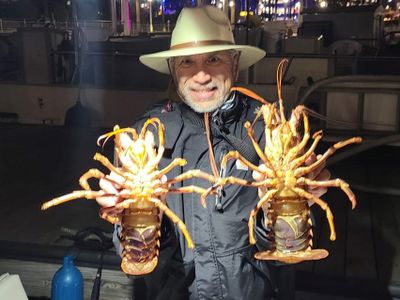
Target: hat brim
point(159, 61)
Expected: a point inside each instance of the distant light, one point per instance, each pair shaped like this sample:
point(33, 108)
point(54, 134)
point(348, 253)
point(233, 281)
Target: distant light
point(297, 5)
point(231, 3)
point(69, 2)
point(220, 5)
point(243, 13)
point(323, 4)
point(387, 7)
point(320, 37)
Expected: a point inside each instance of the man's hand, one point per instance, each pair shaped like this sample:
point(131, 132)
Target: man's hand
point(111, 184)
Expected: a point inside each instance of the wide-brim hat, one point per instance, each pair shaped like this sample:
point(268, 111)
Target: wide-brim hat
point(201, 30)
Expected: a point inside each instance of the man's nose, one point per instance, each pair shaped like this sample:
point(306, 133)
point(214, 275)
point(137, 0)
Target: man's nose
point(201, 76)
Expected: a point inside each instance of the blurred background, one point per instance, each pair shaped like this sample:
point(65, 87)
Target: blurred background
point(69, 71)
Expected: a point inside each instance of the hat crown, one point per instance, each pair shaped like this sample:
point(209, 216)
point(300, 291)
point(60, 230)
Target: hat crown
point(202, 25)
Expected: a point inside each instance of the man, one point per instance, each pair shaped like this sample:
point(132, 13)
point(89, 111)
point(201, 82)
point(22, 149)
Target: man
point(204, 63)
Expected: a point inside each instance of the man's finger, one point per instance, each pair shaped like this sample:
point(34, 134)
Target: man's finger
point(257, 175)
point(107, 201)
point(108, 186)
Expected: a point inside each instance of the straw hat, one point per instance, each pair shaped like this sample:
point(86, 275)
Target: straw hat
point(201, 30)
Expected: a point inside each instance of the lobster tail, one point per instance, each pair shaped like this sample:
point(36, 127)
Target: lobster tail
point(140, 239)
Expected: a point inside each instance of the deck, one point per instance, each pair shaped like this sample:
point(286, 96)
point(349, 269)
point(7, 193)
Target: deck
point(41, 162)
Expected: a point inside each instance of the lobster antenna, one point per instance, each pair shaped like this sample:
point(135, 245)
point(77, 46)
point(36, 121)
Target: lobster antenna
point(279, 72)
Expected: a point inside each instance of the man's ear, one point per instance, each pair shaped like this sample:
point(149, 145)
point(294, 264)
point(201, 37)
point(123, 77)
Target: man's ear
point(236, 60)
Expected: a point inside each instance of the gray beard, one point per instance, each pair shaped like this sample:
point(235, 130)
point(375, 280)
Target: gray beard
point(203, 109)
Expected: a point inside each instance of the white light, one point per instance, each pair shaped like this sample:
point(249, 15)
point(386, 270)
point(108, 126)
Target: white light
point(220, 5)
point(231, 3)
point(297, 5)
point(323, 4)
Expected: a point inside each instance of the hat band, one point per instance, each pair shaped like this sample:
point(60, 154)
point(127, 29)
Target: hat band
point(200, 43)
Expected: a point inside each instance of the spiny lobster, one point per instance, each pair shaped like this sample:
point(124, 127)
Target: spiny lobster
point(284, 180)
point(139, 190)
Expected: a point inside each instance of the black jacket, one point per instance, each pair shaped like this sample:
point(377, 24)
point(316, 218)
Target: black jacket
point(222, 265)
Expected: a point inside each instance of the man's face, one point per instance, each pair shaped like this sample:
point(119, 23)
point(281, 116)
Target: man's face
point(204, 80)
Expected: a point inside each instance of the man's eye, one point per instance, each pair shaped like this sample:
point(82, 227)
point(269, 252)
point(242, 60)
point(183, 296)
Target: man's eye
point(213, 59)
point(185, 63)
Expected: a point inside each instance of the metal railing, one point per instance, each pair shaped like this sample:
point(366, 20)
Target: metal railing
point(356, 88)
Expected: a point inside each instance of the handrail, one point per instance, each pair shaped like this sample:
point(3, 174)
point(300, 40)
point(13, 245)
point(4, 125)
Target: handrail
point(346, 78)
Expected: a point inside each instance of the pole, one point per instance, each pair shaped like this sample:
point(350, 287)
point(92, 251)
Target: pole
point(232, 6)
point(113, 16)
point(151, 16)
point(247, 20)
point(137, 9)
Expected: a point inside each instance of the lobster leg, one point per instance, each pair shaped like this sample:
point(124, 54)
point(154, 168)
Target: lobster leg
point(236, 155)
point(268, 114)
point(190, 174)
point(156, 122)
point(296, 149)
point(336, 183)
point(174, 218)
point(150, 146)
point(260, 153)
point(188, 189)
point(221, 182)
point(300, 160)
point(254, 212)
point(92, 173)
point(104, 160)
point(305, 170)
point(75, 195)
point(176, 162)
point(323, 205)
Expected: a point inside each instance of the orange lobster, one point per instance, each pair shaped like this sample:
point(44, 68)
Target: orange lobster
point(142, 188)
point(285, 197)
